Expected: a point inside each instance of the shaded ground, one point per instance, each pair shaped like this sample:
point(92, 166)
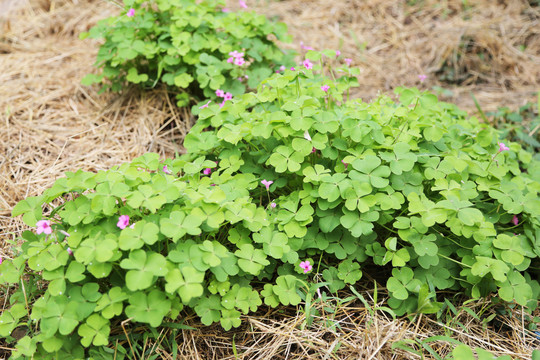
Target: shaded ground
point(50, 124)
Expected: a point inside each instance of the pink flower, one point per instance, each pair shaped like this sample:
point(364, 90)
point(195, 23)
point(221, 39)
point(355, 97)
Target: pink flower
point(348, 61)
point(166, 170)
point(267, 184)
point(131, 12)
point(242, 4)
point(44, 226)
point(293, 69)
point(69, 251)
point(0, 260)
point(205, 105)
point(422, 77)
point(227, 96)
point(225, 10)
point(338, 53)
point(273, 205)
point(307, 64)
point(313, 151)
point(282, 68)
point(207, 171)
point(503, 147)
point(305, 47)
point(123, 221)
point(230, 60)
point(306, 266)
point(325, 88)
point(344, 163)
point(515, 220)
point(236, 54)
point(132, 226)
point(221, 104)
point(239, 61)
point(220, 93)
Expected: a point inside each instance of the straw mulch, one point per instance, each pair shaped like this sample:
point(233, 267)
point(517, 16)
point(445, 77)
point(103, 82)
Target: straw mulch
point(489, 48)
point(50, 124)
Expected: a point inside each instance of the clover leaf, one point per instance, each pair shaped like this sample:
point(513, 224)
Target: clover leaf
point(9, 320)
point(425, 245)
point(285, 158)
point(285, 289)
point(401, 160)
point(512, 250)
point(209, 309)
point(370, 170)
point(148, 308)
point(484, 265)
point(186, 281)
point(229, 319)
point(242, 297)
point(331, 276)
point(359, 224)
point(178, 224)
point(349, 272)
point(516, 288)
point(143, 267)
point(95, 331)
point(402, 282)
point(142, 233)
point(59, 315)
point(111, 303)
point(270, 297)
point(251, 260)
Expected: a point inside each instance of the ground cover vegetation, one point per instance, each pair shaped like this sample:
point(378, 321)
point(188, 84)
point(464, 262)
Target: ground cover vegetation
point(414, 187)
point(195, 47)
point(285, 196)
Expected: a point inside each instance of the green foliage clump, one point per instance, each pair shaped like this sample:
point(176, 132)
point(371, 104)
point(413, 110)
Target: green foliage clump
point(412, 192)
point(186, 44)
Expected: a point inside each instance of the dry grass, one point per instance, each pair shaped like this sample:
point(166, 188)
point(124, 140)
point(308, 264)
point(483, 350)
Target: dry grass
point(393, 42)
point(50, 124)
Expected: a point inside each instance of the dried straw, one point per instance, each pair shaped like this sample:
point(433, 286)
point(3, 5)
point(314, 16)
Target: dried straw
point(395, 41)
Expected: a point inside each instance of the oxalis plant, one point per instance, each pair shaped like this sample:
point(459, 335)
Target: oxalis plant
point(194, 47)
point(284, 193)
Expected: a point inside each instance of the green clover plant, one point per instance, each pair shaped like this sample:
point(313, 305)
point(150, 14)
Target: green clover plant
point(277, 185)
point(197, 48)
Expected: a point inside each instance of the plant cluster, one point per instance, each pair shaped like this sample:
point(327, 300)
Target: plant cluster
point(194, 47)
point(280, 186)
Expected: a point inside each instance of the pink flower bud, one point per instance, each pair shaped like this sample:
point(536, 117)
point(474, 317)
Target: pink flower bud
point(267, 184)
